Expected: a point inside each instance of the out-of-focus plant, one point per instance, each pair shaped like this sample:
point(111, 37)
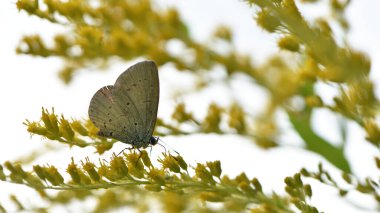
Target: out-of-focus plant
point(97, 31)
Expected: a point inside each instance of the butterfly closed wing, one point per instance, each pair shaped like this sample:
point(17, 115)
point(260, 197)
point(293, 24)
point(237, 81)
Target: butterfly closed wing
point(127, 110)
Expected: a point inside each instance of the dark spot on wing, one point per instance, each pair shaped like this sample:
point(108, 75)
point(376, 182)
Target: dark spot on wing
point(135, 124)
point(111, 133)
point(127, 103)
point(110, 120)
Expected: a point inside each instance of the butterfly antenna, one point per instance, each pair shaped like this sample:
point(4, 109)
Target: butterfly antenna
point(164, 145)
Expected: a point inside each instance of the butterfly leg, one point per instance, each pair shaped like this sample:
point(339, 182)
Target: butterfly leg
point(129, 148)
point(139, 156)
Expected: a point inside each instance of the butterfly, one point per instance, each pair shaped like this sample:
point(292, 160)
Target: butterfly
point(127, 110)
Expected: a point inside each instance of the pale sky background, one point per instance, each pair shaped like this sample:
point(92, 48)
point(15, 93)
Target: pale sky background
point(27, 84)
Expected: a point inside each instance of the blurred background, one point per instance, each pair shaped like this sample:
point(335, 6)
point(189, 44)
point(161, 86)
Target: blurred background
point(29, 83)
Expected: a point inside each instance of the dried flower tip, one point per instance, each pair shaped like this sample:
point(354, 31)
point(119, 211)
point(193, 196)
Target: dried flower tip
point(27, 5)
point(180, 114)
point(343, 193)
point(242, 178)
point(66, 74)
point(346, 177)
point(33, 181)
point(227, 181)
point(104, 171)
point(246, 187)
point(377, 160)
point(79, 128)
point(157, 175)
point(102, 147)
point(267, 21)
point(215, 168)
point(145, 158)
point(289, 43)
point(15, 200)
point(181, 162)
point(17, 173)
point(323, 26)
point(20, 171)
point(211, 197)
point(90, 169)
point(2, 174)
point(65, 129)
point(256, 183)
point(297, 179)
point(36, 128)
point(135, 159)
point(291, 191)
point(137, 172)
point(237, 119)
point(169, 162)
point(51, 121)
point(202, 173)
point(308, 190)
point(290, 182)
point(73, 170)
point(9, 166)
point(52, 173)
point(305, 173)
point(373, 132)
point(299, 204)
point(213, 119)
point(118, 166)
point(83, 177)
point(41, 173)
point(223, 32)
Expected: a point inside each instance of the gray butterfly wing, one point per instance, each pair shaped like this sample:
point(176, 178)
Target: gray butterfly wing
point(106, 114)
point(137, 92)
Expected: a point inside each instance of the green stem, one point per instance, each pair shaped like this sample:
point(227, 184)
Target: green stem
point(315, 143)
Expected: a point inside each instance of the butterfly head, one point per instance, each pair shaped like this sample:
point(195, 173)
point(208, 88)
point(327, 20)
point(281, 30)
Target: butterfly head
point(153, 140)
